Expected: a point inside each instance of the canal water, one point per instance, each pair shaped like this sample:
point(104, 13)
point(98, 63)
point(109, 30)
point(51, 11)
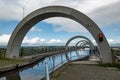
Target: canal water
point(37, 72)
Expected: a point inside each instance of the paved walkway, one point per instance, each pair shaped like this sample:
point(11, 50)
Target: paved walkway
point(88, 72)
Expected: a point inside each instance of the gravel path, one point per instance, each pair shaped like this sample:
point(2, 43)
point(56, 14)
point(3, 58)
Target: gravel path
point(88, 72)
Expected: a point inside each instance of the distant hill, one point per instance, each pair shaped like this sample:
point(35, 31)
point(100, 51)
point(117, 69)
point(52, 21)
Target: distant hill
point(32, 46)
point(111, 45)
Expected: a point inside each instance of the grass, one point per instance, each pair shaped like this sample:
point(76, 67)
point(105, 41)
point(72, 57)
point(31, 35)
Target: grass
point(7, 61)
point(110, 65)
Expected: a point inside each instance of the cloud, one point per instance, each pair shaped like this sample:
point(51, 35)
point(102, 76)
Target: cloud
point(32, 41)
point(107, 15)
point(110, 41)
point(14, 8)
point(102, 12)
point(36, 41)
point(41, 41)
point(4, 39)
point(36, 29)
point(10, 10)
point(65, 24)
point(54, 41)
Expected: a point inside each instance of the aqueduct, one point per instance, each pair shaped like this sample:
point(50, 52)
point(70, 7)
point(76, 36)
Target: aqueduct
point(29, 21)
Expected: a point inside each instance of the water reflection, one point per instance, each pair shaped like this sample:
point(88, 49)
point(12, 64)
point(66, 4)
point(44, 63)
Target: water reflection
point(37, 71)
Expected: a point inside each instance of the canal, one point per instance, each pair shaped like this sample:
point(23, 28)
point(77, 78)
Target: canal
point(37, 72)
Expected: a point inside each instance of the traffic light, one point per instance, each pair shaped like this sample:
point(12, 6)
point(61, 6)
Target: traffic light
point(100, 37)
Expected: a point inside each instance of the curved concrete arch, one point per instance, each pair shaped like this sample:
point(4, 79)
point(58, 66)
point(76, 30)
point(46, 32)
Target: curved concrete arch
point(81, 41)
point(81, 45)
point(75, 37)
point(56, 11)
point(85, 41)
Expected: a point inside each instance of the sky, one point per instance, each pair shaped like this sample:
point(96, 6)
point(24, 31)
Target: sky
point(56, 31)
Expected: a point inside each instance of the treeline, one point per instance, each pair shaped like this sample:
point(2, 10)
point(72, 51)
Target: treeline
point(32, 50)
point(39, 49)
point(2, 52)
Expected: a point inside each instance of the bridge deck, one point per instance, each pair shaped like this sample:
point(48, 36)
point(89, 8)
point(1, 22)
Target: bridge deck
point(88, 72)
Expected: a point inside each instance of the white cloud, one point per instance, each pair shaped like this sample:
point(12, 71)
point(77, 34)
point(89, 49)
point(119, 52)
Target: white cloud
point(10, 10)
point(54, 41)
point(112, 41)
point(101, 11)
point(36, 29)
point(107, 15)
point(41, 41)
point(65, 24)
point(31, 41)
point(4, 39)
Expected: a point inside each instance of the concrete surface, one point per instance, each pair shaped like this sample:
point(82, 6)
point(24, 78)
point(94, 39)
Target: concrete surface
point(88, 72)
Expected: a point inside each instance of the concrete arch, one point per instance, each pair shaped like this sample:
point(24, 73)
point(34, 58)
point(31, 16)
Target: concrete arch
point(75, 37)
point(85, 42)
point(56, 11)
point(81, 41)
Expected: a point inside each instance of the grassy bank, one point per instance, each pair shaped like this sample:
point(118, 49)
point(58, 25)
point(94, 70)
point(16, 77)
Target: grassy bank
point(7, 61)
point(110, 65)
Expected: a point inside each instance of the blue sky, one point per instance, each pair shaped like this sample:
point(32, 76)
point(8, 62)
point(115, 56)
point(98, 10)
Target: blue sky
point(56, 31)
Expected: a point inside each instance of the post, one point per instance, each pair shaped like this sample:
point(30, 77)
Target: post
point(53, 63)
point(70, 56)
point(61, 59)
point(46, 71)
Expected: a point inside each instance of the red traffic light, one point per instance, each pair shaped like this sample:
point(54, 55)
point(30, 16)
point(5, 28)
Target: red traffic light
point(100, 37)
